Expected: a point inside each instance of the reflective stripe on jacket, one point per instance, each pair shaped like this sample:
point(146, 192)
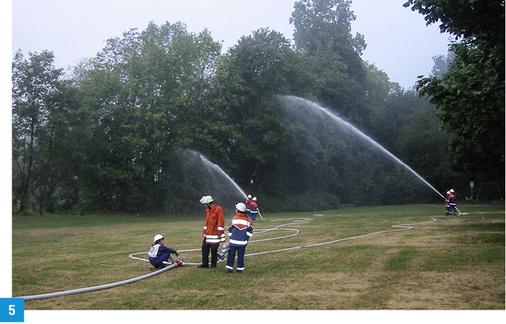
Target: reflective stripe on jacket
point(452, 199)
point(240, 230)
point(214, 226)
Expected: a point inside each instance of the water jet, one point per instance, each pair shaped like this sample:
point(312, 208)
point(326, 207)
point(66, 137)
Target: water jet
point(290, 100)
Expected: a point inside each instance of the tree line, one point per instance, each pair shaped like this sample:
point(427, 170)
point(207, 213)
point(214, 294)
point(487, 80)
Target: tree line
point(107, 135)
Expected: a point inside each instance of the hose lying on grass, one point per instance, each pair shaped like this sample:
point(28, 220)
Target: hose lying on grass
point(106, 286)
point(296, 221)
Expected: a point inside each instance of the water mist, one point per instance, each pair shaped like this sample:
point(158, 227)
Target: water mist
point(290, 100)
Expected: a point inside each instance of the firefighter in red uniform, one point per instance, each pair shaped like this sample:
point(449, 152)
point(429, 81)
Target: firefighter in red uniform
point(249, 201)
point(452, 202)
point(448, 210)
point(213, 233)
point(253, 210)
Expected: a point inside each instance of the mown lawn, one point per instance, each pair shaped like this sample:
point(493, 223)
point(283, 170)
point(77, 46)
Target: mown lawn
point(453, 263)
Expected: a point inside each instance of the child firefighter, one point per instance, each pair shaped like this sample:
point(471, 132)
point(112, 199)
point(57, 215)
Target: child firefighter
point(239, 232)
point(159, 253)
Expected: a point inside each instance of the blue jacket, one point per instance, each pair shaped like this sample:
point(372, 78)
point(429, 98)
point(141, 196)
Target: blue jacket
point(159, 253)
point(240, 230)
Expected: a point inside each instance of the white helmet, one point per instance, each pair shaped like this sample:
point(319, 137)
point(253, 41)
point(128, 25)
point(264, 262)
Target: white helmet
point(158, 237)
point(452, 191)
point(254, 198)
point(206, 200)
point(241, 207)
point(249, 196)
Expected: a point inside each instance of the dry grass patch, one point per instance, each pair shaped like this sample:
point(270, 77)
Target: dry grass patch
point(453, 263)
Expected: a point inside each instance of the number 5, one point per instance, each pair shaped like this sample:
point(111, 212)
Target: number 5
point(12, 311)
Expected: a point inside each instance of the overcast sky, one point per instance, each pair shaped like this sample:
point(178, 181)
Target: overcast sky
point(398, 42)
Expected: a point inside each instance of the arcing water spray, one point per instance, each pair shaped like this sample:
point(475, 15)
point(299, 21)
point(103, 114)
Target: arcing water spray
point(216, 167)
point(349, 126)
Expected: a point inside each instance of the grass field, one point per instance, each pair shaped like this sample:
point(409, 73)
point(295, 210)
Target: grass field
point(454, 263)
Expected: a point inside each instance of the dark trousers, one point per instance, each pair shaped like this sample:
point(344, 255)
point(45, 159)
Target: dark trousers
point(158, 261)
point(240, 257)
point(205, 254)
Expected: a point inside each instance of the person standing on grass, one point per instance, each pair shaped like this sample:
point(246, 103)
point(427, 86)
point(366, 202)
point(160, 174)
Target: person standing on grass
point(447, 203)
point(452, 201)
point(253, 210)
point(213, 233)
point(240, 230)
point(249, 200)
point(159, 253)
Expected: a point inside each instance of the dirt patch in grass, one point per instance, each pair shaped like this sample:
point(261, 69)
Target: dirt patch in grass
point(462, 286)
point(453, 263)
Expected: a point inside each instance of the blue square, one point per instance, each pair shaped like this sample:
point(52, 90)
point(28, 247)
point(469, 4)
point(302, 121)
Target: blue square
point(12, 310)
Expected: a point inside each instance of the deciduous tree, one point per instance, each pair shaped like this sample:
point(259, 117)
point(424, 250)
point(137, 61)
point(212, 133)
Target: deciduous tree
point(470, 96)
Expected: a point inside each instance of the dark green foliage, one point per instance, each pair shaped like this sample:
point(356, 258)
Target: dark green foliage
point(469, 96)
point(112, 136)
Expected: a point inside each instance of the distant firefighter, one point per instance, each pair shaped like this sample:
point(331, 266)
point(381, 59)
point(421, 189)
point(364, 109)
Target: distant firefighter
point(447, 204)
point(252, 208)
point(452, 202)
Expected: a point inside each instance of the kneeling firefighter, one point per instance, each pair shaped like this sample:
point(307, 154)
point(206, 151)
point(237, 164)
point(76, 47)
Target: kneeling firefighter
point(159, 253)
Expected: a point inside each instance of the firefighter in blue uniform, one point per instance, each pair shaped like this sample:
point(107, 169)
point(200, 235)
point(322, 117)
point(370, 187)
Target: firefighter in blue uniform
point(239, 232)
point(158, 253)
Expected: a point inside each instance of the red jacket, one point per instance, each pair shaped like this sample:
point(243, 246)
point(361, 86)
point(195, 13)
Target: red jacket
point(214, 227)
point(452, 198)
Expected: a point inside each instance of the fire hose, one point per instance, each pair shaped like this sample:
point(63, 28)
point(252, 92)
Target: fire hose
point(179, 262)
point(94, 288)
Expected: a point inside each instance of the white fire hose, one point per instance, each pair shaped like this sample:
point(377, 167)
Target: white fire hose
point(296, 221)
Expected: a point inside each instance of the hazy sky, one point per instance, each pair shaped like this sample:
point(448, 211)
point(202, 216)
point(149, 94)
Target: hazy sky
point(398, 42)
